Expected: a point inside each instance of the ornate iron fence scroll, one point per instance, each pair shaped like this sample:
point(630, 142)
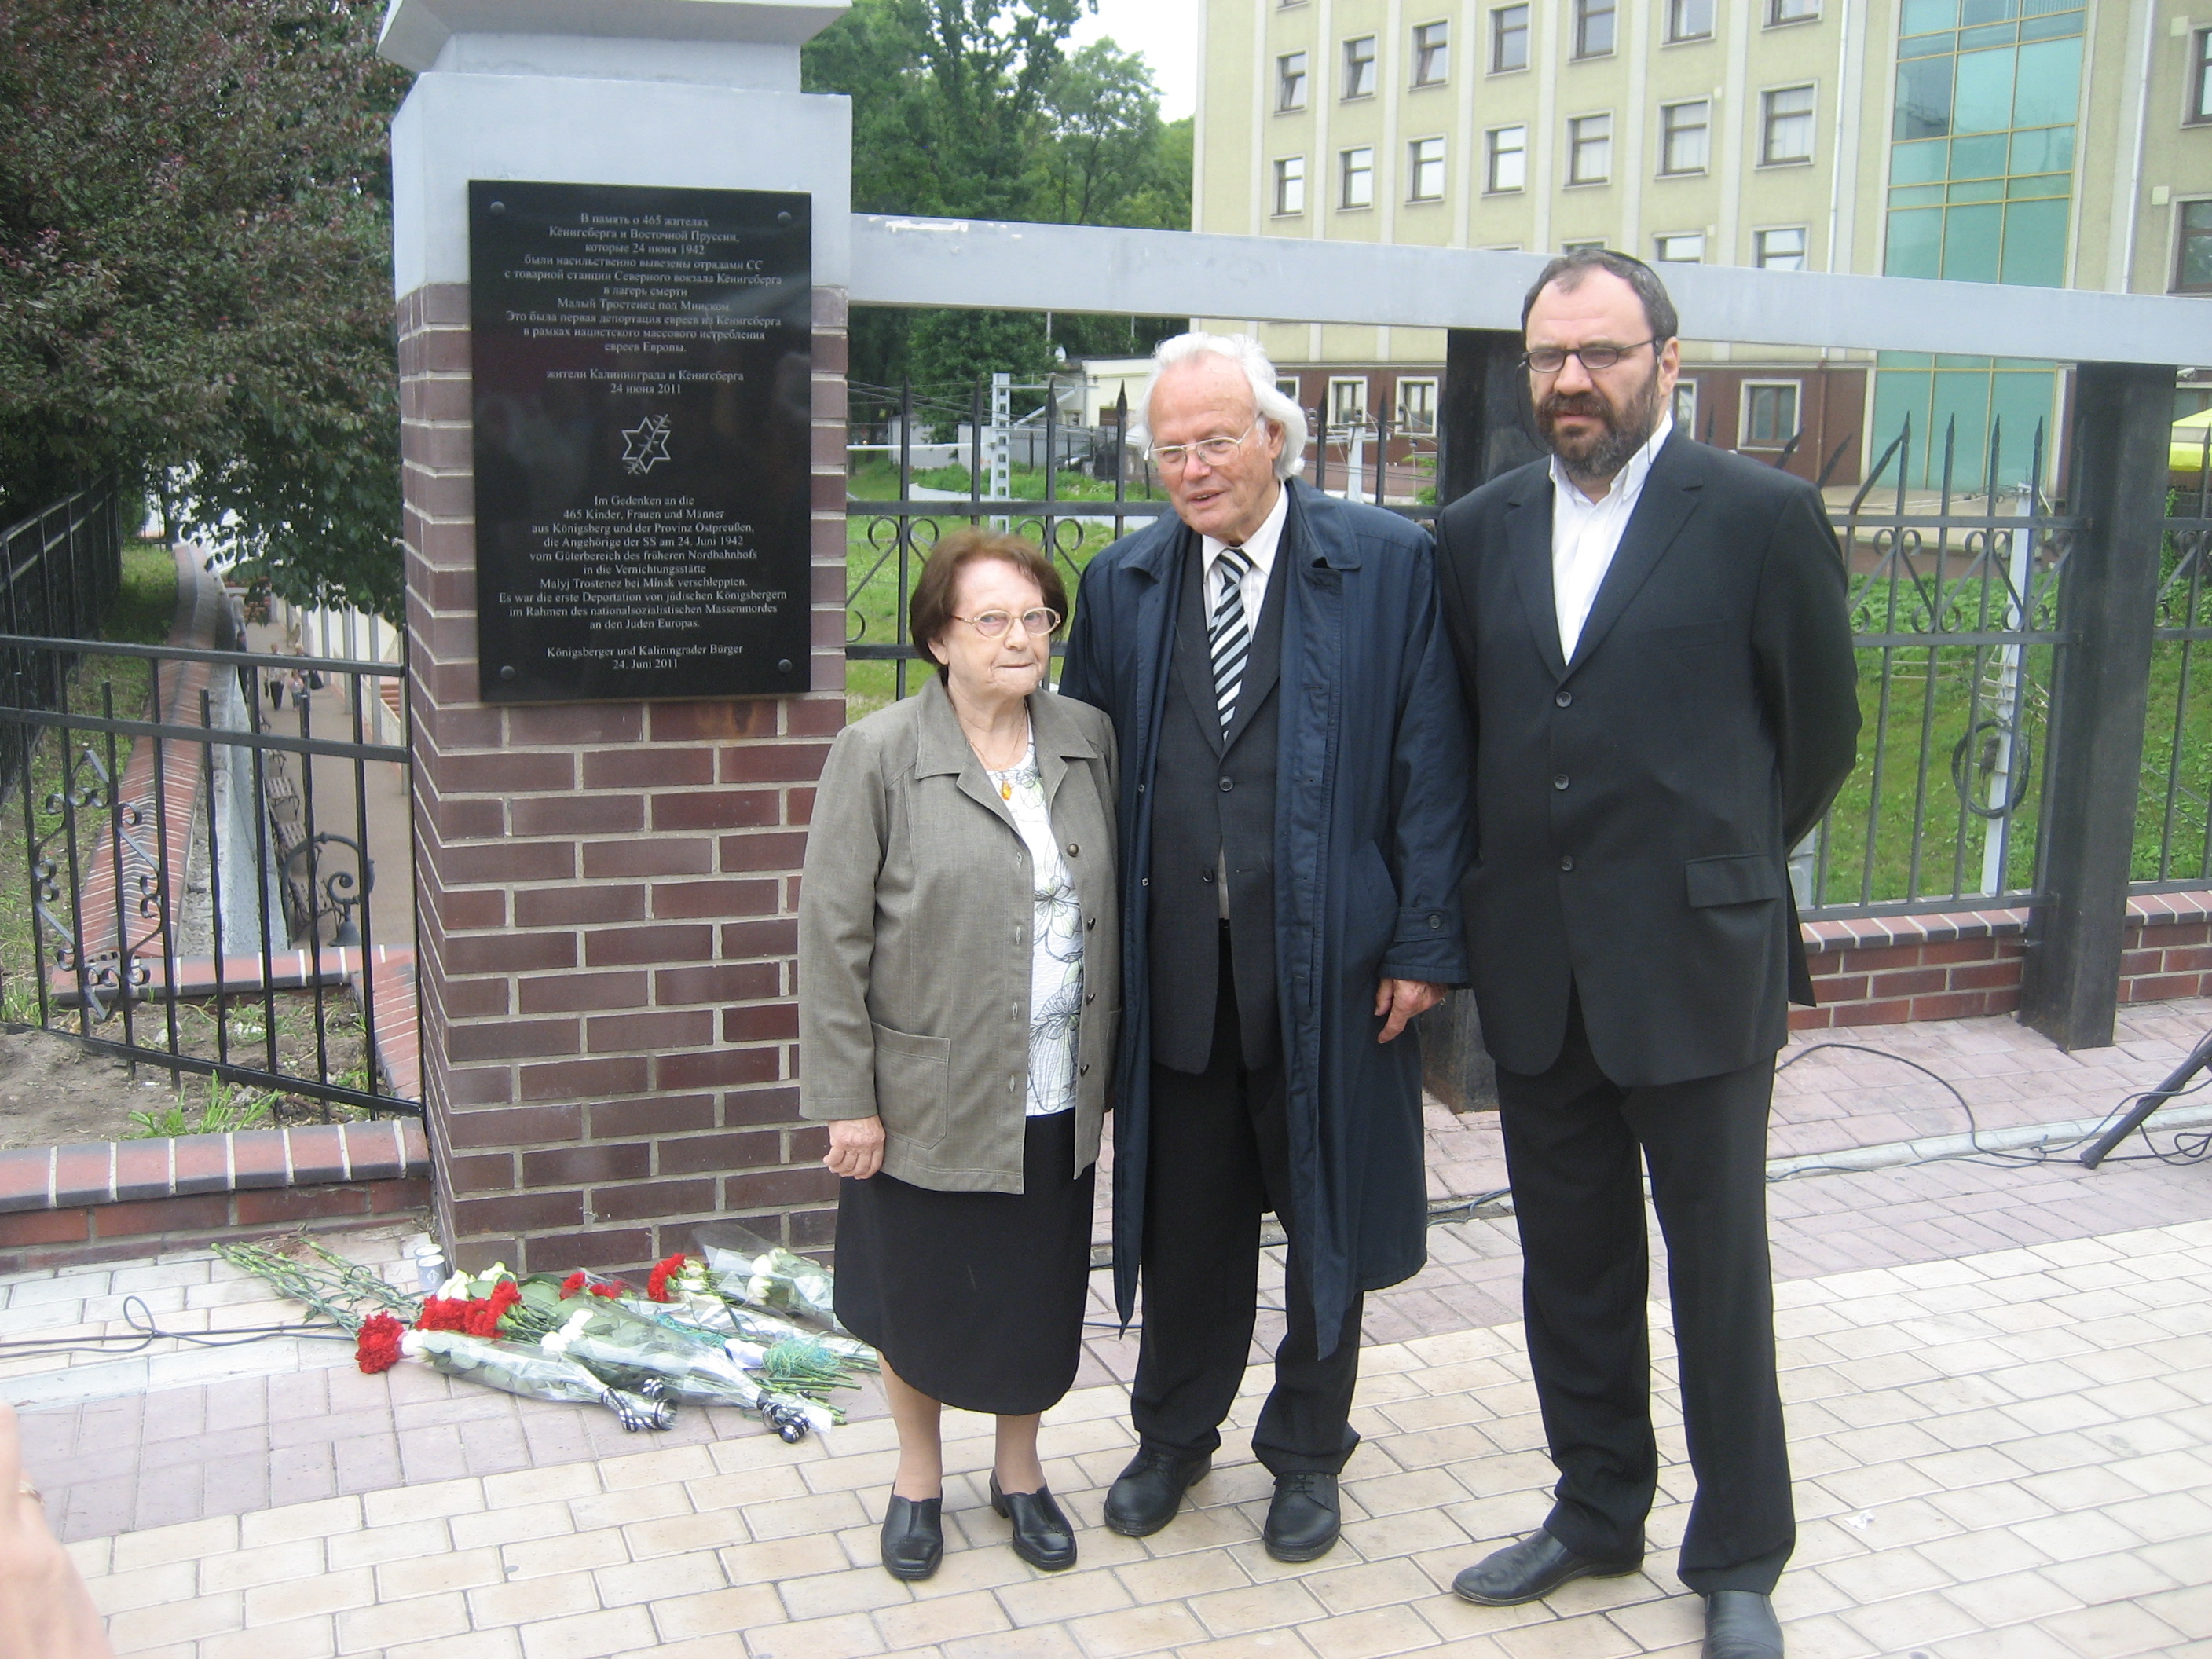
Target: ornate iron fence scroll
point(1954, 611)
point(189, 905)
point(2174, 847)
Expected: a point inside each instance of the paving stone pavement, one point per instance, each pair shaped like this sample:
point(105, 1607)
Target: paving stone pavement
point(2007, 1454)
point(1999, 1374)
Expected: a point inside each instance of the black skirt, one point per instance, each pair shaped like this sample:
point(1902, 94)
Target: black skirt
point(975, 1299)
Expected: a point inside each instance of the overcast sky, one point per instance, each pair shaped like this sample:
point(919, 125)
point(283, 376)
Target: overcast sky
point(1166, 33)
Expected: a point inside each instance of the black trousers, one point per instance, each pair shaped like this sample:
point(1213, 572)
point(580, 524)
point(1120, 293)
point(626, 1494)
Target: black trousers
point(1220, 1159)
point(1572, 1143)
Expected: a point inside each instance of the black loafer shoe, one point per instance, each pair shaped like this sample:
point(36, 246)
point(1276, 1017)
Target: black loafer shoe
point(913, 1536)
point(1304, 1519)
point(1042, 1536)
point(1145, 1496)
point(1741, 1624)
point(1529, 1570)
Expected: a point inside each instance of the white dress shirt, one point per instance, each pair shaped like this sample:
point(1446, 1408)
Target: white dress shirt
point(1586, 533)
point(1260, 547)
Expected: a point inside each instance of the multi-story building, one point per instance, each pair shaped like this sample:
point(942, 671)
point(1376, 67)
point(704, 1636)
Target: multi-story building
point(2054, 142)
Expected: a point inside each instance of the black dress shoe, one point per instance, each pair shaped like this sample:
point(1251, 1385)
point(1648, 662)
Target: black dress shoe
point(1042, 1536)
point(913, 1536)
point(1529, 1570)
point(1145, 1496)
point(1304, 1519)
point(1741, 1625)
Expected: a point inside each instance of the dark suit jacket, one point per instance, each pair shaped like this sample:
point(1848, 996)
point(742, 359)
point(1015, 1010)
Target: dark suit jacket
point(1634, 808)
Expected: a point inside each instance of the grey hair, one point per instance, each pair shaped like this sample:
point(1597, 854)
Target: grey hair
point(1568, 271)
point(1267, 399)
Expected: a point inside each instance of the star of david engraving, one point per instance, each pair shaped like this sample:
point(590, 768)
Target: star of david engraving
point(646, 445)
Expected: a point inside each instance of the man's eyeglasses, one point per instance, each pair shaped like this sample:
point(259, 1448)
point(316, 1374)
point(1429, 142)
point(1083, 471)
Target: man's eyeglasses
point(1549, 360)
point(992, 623)
point(1213, 450)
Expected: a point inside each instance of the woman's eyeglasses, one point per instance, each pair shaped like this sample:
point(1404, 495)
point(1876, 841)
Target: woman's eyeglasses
point(992, 623)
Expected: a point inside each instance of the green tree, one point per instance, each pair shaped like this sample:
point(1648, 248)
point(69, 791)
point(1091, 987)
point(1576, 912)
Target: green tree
point(195, 234)
point(974, 109)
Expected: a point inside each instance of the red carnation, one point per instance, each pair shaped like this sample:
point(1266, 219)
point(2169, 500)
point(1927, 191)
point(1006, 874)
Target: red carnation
point(657, 1286)
point(444, 1313)
point(573, 1284)
point(613, 1292)
point(377, 1347)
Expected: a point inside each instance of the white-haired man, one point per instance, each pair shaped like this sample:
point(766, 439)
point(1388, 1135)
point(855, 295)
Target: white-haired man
point(1293, 814)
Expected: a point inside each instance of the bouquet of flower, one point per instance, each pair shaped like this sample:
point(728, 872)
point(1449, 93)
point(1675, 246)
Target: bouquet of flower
point(630, 1350)
point(744, 1267)
point(527, 1370)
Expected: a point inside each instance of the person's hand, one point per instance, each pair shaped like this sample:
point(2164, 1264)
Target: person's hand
point(856, 1146)
point(1400, 999)
point(45, 1612)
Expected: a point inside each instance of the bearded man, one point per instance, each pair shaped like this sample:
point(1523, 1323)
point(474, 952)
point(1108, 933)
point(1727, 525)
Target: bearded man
point(1654, 646)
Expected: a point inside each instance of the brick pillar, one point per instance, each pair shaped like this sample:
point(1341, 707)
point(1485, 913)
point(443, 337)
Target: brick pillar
point(606, 897)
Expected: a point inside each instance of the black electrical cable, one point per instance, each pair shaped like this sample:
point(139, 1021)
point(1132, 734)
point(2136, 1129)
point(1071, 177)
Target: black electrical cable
point(1998, 1157)
point(140, 1318)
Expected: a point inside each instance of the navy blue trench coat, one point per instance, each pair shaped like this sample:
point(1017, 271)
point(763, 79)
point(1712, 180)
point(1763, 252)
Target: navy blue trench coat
point(1372, 817)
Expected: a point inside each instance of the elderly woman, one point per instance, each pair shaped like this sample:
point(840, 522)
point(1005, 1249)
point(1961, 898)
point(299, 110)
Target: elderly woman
point(957, 976)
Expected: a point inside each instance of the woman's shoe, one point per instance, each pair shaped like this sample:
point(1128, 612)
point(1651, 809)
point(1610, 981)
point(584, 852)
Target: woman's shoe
point(913, 1536)
point(1042, 1536)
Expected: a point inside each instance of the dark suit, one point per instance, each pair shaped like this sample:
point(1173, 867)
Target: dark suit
point(1635, 946)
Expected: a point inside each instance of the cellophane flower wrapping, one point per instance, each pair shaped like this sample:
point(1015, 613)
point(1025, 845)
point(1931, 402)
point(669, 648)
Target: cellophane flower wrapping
point(525, 1370)
point(745, 1267)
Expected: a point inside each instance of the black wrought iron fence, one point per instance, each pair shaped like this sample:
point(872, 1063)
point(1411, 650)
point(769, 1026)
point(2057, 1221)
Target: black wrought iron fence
point(2173, 844)
point(1954, 598)
point(60, 569)
point(1954, 592)
point(195, 875)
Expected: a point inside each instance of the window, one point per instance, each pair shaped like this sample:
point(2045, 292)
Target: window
point(1686, 406)
point(2200, 106)
point(1290, 185)
point(1687, 249)
point(1689, 20)
point(1594, 22)
point(1778, 250)
point(1769, 414)
point(1589, 149)
point(1288, 385)
point(1356, 168)
point(1682, 137)
point(1786, 125)
point(1792, 11)
point(2192, 270)
point(1576, 247)
point(1291, 80)
point(1509, 39)
point(1425, 170)
point(1347, 401)
point(1417, 405)
point(1509, 159)
point(1432, 54)
point(1359, 67)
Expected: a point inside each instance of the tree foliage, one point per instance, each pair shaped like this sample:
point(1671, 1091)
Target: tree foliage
point(975, 109)
point(194, 235)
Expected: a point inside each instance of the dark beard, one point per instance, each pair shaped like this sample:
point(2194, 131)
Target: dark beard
point(1622, 433)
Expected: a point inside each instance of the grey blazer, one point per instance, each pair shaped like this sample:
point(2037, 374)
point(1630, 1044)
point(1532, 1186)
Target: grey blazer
point(915, 931)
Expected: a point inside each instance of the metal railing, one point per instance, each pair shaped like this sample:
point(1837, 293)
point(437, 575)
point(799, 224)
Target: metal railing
point(60, 570)
point(196, 877)
point(2173, 843)
point(1954, 611)
point(1953, 603)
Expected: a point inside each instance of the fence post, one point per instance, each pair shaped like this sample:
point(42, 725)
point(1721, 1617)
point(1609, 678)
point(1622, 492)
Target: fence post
point(1479, 430)
point(2099, 699)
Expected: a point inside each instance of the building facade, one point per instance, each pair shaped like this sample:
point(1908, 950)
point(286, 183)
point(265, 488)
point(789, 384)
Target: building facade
point(2051, 142)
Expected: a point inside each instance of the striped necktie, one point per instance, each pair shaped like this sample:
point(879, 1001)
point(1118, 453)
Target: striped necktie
point(1229, 634)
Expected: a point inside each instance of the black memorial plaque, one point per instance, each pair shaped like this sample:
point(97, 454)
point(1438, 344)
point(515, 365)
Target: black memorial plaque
point(642, 362)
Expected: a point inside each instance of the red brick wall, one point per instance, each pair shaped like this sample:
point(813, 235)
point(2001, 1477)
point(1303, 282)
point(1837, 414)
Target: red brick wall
point(1890, 970)
point(606, 897)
